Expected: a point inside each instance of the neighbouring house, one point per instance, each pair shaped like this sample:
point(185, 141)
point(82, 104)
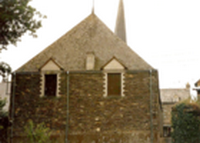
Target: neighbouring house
point(5, 94)
point(169, 98)
point(89, 87)
point(4, 121)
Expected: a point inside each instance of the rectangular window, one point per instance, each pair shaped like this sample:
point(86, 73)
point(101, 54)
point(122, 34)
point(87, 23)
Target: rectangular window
point(50, 85)
point(167, 131)
point(114, 84)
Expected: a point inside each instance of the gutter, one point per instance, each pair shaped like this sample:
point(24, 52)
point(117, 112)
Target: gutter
point(151, 108)
point(67, 117)
point(13, 106)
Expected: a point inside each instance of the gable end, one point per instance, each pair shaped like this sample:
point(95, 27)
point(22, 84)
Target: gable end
point(50, 65)
point(114, 64)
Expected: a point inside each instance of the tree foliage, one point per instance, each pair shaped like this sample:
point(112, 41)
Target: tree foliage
point(5, 70)
point(16, 18)
point(186, 123)
point(2, 104)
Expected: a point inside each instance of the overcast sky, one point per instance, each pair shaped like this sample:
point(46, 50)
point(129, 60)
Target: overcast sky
point(165, 33)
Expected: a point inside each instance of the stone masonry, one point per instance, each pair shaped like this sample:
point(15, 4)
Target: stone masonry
point(92, 118)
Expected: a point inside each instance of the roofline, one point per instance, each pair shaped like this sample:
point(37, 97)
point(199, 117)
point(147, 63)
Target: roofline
point(81, 71)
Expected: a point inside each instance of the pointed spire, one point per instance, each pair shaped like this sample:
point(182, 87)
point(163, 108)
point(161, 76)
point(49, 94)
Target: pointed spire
point(93, 7)
point(120, 29)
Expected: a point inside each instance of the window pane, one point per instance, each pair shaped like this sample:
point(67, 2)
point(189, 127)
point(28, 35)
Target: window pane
point(167, 131)
point(114, 84)
point(50, 85)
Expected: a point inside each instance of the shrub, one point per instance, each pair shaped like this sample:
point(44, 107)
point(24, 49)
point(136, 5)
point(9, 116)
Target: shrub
point(37, 133)
point(186, 123)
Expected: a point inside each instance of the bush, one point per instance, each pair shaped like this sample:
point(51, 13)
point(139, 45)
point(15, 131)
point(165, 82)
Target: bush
point(2, 104)
point(2, 113)
point(186, 123)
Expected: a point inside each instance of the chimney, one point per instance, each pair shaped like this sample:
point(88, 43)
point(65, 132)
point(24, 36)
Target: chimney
point(188, 86)
point(90, 61)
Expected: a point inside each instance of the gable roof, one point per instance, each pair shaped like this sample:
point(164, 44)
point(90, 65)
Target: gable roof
point(54, 61)
point(91, 35)
point(113, 58)
point(168, 95)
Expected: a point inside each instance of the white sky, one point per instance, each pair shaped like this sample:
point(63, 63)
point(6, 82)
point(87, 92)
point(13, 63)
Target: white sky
point(165, 33)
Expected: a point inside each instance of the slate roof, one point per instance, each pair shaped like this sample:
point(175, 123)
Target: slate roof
point(91, 35)
point(169, 95)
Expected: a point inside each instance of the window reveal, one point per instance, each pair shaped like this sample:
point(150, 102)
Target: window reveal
point(114, 84)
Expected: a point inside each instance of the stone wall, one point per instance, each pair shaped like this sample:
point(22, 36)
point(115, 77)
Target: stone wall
point(91, 118)
point(166, 140)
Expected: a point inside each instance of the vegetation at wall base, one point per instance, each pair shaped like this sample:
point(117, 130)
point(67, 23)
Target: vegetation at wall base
point(37, 133)
point(2, 114)
point(2, 104)
point(186, 123)
point(3, 122)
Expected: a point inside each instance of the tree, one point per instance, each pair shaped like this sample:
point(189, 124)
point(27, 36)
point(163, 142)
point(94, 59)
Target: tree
point(186, 123)
point(17, 18)
point(5, 70)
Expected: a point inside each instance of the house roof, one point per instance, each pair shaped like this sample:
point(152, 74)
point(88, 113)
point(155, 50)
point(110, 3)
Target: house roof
point(91, 35)
point(171, 95)
point(169, 98)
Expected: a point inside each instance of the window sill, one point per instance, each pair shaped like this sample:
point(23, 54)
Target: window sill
point(114, 96)
point(49, 97)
